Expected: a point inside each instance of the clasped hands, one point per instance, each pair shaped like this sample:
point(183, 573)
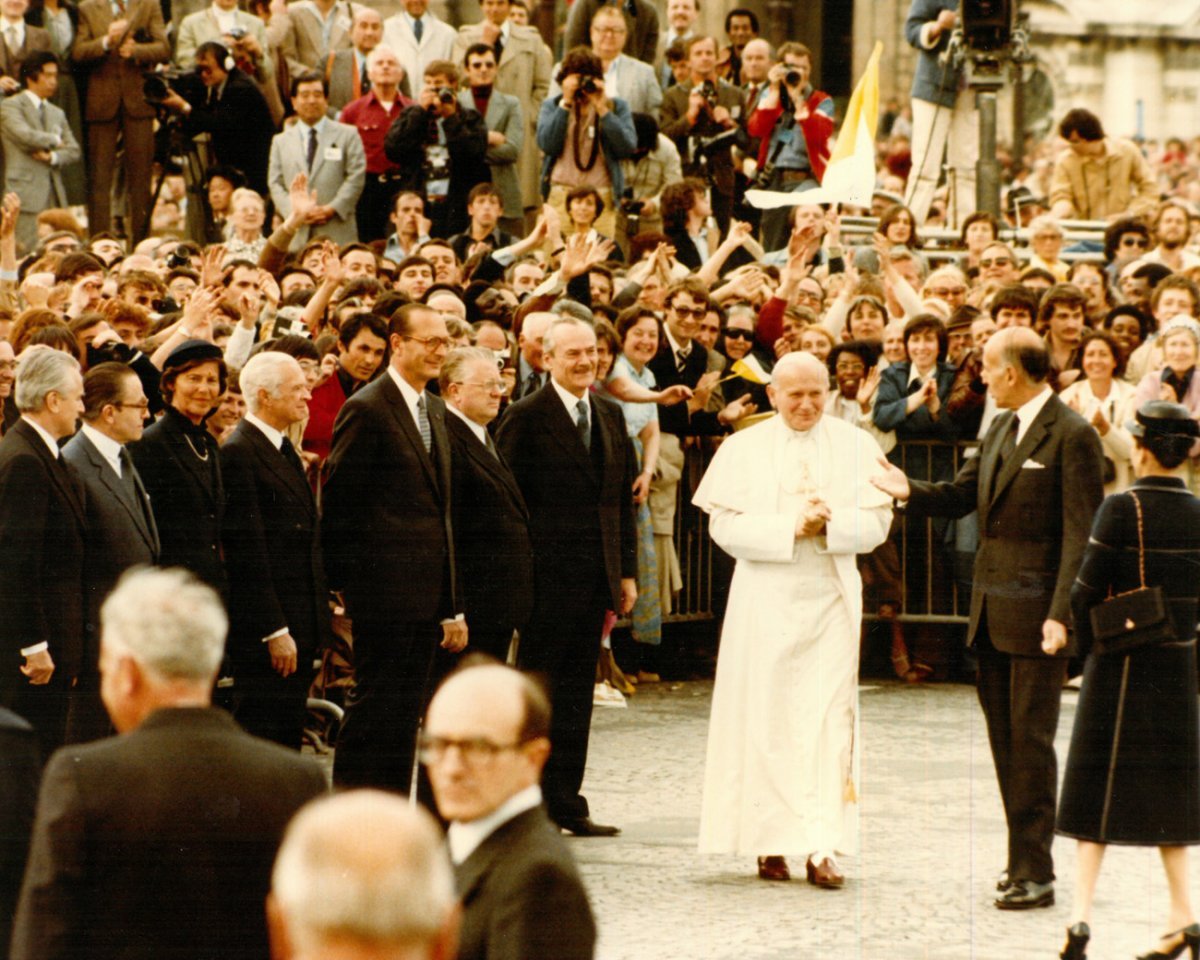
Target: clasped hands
point(813, 518)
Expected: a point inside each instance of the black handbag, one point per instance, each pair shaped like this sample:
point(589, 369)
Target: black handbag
point(1136, 618)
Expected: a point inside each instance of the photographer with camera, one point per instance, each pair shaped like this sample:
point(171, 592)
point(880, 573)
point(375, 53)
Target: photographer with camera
point(229, 107)
point(654, 165)
point(702, 116)
point(585, 135)
point(793, 122)
point(441, 149)
point(117, 48)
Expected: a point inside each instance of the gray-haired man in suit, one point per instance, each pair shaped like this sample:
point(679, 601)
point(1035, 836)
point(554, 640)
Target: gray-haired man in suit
point(37, 142)
point(121, 532)
point(332, 156)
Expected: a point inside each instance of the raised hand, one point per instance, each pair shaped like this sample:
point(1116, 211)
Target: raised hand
point(892, 480)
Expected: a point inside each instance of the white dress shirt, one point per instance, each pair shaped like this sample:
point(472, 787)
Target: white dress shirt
point(45, 435)
point(464, 839)
point(1029, 410)
point(571, 402)
point(480, 432)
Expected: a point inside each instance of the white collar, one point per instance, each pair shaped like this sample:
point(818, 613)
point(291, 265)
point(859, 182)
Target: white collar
point(675, 346)
point(571, 402)
point(410, 395)
point(464, 839)
point(915, 377)
point(105, 445)
point(268, 431)
point(37, 101)
point(1029, 410)
point(44, 434)
point(318, 126)
point(18, 25)
point(480, 432)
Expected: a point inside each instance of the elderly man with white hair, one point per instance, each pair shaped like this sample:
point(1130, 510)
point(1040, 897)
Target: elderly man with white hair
point(362, 876)
point(159, 842)
point(42, 526)
point(278, 602)
point(791, 500)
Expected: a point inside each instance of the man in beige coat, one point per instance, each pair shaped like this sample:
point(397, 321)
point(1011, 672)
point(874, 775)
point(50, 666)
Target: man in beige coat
point(1099, 177)
point(523, 72)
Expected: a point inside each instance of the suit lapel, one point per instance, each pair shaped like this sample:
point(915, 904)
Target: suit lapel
point(274, 461)
point(493, 465)
point(440, 446)
point(564, 429)
point(1030, 442)
point(104, 469)
point(59, 470)
point(469, 874)
point(409, 427)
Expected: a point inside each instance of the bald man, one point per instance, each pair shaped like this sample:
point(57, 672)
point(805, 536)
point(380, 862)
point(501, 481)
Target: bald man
point(485, 741)
point(791, 500)
point(1036, 484)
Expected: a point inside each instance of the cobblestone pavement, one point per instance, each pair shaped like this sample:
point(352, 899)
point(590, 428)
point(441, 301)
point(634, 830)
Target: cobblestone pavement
point(933, 841)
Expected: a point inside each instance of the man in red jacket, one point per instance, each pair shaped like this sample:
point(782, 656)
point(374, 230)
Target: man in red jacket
point(362, 342)
point(793, 122)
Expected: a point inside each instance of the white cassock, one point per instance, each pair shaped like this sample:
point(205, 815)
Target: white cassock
point(782, 762)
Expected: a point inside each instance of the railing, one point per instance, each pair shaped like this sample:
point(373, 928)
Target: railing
point(922, 460)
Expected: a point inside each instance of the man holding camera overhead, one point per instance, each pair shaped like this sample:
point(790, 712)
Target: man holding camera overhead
point(441, 149)
point(702, 116)
point(793, 122)
point(118, 42)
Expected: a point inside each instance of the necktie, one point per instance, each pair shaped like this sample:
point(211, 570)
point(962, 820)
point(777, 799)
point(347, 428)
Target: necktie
point(752, 98)
point(290, 455)
point(129, 482)
point(498, 47)
point(532, 382)
point(312, 148)
point(581, 421)
point(42, 114)
point(487, 442)
point(681, 359)
point(10, 39)
point(418, 29)
point(364, 82)
point(423, 424)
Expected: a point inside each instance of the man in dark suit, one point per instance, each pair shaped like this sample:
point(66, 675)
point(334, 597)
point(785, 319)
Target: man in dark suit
point(42, 529)
point(159, 843)
point(398, 904)
point(278, 604)
point(116, 49)
point(1036, 484)
point(574, 464)
point(389, 546)
point(491, 522)
point(521, 893)
point(232, 111)
point(20, 771)
point(121, 532)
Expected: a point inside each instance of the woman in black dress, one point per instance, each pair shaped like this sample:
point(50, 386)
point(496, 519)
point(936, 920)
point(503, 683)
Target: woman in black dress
point(178, 460)
point(1133, 771)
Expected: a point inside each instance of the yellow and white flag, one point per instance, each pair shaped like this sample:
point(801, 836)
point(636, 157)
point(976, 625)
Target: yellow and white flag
point(850, 173)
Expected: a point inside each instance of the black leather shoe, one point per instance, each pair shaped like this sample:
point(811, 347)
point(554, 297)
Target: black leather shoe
point(1026, 895)
point(1077, 941)
point(585, 827)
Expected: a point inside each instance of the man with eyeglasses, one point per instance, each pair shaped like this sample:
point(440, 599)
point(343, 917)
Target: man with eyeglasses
point(485, 743)
point(998, 265)
point(121, 532)
point(491, 521)
point(388, 547)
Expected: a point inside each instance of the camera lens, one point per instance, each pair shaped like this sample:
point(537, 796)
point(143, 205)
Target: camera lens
point(792, 78)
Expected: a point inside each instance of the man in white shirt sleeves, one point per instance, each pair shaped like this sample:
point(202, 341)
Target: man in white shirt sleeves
point(791, 500)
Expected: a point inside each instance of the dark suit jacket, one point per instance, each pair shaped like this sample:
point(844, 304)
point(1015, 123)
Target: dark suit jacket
point(580, 503)
point(115, 83)
point(1033, 523)
point(522, 896)
point(121, 533)
point(159, 843)
point(241, 127)
point(674, 124)
point(491, 533)
point(272, 539)
point(20, 770)
point(41, 564)
point(187, 495)
point(674, 418)
point(387, 531)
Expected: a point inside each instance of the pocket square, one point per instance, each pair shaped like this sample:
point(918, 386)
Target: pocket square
point(1032, 464)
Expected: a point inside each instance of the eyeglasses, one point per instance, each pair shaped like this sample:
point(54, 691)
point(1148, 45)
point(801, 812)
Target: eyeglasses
point(944, 292)
point(996, 262)
point(808, 295)
point(682, 312)
point(473, 752)
point(491, 386)
point(144, 405)
point(1134, 242)
point(431, 344)
point(735, 334)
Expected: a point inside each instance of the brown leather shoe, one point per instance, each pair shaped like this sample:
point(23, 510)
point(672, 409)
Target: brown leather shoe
point(824, 875)
point(773, 868)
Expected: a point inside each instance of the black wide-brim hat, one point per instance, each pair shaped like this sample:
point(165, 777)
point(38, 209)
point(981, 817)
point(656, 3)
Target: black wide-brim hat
point(1158, 418)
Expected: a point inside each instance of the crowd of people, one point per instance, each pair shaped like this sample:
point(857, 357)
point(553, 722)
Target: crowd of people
point(427, 344)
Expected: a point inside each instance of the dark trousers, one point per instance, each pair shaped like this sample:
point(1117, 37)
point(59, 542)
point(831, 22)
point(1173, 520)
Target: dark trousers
point(87, 718)
point(270, 706)
point(562, 643)
point(45, 706)
point(1020, 697)
point(375, 207)
point(396, 669)
point(490, 639)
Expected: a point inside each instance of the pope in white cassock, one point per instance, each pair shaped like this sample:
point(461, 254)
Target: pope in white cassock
point(790, 499)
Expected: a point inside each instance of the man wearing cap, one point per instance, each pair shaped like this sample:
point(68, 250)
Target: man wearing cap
point(1036, 484)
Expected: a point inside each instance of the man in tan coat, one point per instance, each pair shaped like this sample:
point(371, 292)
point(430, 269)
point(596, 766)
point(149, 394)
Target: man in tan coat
point(1099, 177)
point(523, 72)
